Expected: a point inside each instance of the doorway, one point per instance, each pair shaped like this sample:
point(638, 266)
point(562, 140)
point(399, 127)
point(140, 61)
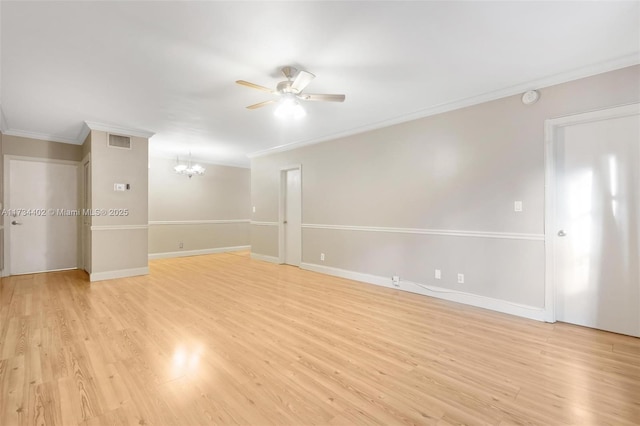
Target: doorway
point(291, 215)
point(41, 199)
point(593, 219)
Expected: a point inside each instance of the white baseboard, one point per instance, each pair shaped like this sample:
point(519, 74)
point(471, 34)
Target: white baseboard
point(498, 305)
point(185, 253)
point(265, 258)
point(122, 273)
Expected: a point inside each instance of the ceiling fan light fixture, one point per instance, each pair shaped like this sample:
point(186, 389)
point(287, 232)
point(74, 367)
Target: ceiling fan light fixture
point(291, 92)
point(289, 107)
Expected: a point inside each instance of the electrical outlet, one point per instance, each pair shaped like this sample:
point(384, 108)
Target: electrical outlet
point(438, 274)
point(322, 257)
point(396, 280)
point(180, 244)
point(254, 209)
point(460, 278)
point(517, 206)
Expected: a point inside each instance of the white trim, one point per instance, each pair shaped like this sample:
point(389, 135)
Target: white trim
point(265, 258)
point(84, 132)
point(618, 63)
point(498, 305)
point(255, 222)
point(6, 240)
point(446, 232)
point(47, 271)
point(85, 222)
point(549, 221)
point(42, 160)
point(591, 116)
point(121, 131)
point(118, 227)
point(551, 127)
point(196, 222)
point(41, 136)
point(291, 167)
point(187, 253)
point(122, 273)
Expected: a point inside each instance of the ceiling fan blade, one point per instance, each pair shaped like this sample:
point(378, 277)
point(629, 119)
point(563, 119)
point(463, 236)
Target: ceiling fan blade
point(302, 80)
point(254, 86)
point(260, 105)
point(323, 98)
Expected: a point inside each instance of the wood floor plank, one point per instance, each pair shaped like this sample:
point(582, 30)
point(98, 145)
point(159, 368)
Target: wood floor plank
point(224, 339)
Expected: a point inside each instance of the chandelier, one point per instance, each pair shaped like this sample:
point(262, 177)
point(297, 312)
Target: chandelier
point(188, 168)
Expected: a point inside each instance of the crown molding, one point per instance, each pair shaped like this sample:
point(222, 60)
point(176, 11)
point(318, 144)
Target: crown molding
point(84, 132)
point(575, 74)
point(79, 140)
point(40, 136)
point(110, 128)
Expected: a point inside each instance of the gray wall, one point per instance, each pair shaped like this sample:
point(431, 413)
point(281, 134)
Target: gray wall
point(205, 213)
point(448, 181)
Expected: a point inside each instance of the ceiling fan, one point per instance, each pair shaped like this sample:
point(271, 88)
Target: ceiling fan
point(290, 92)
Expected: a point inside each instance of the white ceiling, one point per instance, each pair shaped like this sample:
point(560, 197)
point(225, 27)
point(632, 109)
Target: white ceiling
point(170, 67)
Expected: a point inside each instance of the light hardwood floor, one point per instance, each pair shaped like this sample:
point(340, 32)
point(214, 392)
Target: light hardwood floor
point(223, 339)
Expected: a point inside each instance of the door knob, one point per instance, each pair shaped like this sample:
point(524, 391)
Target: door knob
point(561, 233)
point(15, 222)
point(285, 222)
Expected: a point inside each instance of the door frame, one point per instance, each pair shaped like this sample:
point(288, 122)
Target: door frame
point(282, 209)
point(6, 271)
point(551, 129)
point(84, 190)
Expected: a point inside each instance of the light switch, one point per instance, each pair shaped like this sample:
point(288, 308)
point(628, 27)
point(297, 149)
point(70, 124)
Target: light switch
point(517, 206)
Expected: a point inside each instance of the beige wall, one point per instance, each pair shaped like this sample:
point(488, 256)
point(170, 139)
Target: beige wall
point(204, 213)
point(16, 145)
point(114, 165)
point(119, 243)
point(457, 172)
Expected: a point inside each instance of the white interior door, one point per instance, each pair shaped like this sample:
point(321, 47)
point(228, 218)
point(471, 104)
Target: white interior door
point(40, 238)
point(293, 218)
point(598, 219)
